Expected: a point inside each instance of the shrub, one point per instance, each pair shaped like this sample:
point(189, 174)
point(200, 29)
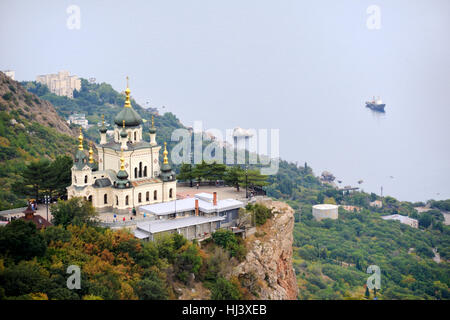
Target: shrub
point(224, 289)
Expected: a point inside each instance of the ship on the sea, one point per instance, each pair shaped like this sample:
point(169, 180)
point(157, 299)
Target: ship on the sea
point(376, 104)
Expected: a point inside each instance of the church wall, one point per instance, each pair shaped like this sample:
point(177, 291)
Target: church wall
point(166, 190)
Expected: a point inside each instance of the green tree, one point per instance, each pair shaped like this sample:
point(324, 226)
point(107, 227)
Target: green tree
point(200, 171)
point(152, 287)
point(21, 240)
point(186, 172)
point(60, 175)
point(234, 176)
point(189, 261)
point(75, 211)
point(255, 178)
point(224, 289)
point(35, 178)
point(425, 220)
point(216, 171)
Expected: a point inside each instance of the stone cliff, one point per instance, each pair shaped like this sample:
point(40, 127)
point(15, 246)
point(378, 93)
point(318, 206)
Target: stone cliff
point(268, 262)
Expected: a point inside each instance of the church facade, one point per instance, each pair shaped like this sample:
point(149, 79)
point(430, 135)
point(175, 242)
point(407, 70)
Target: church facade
point(128, 173)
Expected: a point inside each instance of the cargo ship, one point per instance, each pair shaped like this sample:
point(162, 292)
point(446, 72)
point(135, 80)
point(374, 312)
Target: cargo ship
point(376, 104)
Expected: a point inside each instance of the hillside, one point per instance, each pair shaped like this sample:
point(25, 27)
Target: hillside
point(30, 129)
point(116, 265)
point(331, 258)
point(97, 99)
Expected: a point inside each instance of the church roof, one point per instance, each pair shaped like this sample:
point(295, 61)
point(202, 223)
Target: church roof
point(127, 116)
point(137, 183)
point(102, 183)
point(111, 144)
point(131, 117)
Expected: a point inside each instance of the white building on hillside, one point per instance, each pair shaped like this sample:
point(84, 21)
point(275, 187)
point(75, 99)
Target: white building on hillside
point(403, 219)
point(78, 119)
point(61, 84)
point(10, 73)
point(325, 211)
point(194, 218)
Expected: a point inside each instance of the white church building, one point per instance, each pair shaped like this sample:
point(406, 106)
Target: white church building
point(128, 174)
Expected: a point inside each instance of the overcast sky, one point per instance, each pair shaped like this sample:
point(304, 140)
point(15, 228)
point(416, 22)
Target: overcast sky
point(253, 63)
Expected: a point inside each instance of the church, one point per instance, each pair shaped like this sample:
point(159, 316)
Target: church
point(128, 174)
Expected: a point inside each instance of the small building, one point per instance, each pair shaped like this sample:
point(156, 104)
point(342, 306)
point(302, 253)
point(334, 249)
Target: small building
point(61, 84)
point(39, 221)
point(325, 211)
point(351, 208)
point(78, 119)
point(10, 73)
point(194, 218)
point(403, 219)
point(377, 204)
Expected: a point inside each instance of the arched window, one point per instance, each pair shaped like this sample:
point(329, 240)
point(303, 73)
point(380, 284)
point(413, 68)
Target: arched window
point(85, 179)
point(135, 136)
point(126, 200)
point(139, 197)
point(155, 195)
point(118, 139)
point(145, 171)
point(90, 198)
point(140, 169)
point(147, 196)
point(170, 193)
point(105, 199)
point(75, 179)
point(117, 200)
point(135, 173)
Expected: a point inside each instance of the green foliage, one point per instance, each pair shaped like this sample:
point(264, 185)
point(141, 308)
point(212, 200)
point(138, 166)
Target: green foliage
point(331, 257)
point(261, 213)
point(75, 211)
point(25, 143)
point(20, 240)
point(425, 220)
point(187, 262)
point(228, 240)
point(152, 287)
point(96, 99)
point(223, 289)
point(441, 205)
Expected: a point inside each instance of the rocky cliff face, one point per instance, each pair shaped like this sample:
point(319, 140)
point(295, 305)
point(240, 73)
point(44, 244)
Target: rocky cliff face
point(15, 98)
point(269, 259)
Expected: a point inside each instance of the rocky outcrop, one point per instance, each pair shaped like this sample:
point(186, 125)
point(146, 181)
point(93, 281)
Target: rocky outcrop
point(268, 262)
point(15, 98)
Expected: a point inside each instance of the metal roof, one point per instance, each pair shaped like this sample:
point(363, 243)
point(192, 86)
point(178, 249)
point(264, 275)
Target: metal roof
point(102, 182)
point(398, 217)
point(188, 204)
point(155, 226)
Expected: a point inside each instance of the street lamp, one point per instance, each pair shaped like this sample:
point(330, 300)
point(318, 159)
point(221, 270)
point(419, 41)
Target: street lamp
point(190, 168)
point(47, 201)
point(246, 181)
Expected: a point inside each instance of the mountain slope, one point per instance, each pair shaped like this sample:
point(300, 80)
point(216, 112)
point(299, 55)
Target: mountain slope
point(30, 128)
point(97, 99)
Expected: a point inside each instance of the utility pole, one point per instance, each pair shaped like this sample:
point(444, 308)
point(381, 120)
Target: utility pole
point(246, 182)
point(190, 168)
point(47, 200)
